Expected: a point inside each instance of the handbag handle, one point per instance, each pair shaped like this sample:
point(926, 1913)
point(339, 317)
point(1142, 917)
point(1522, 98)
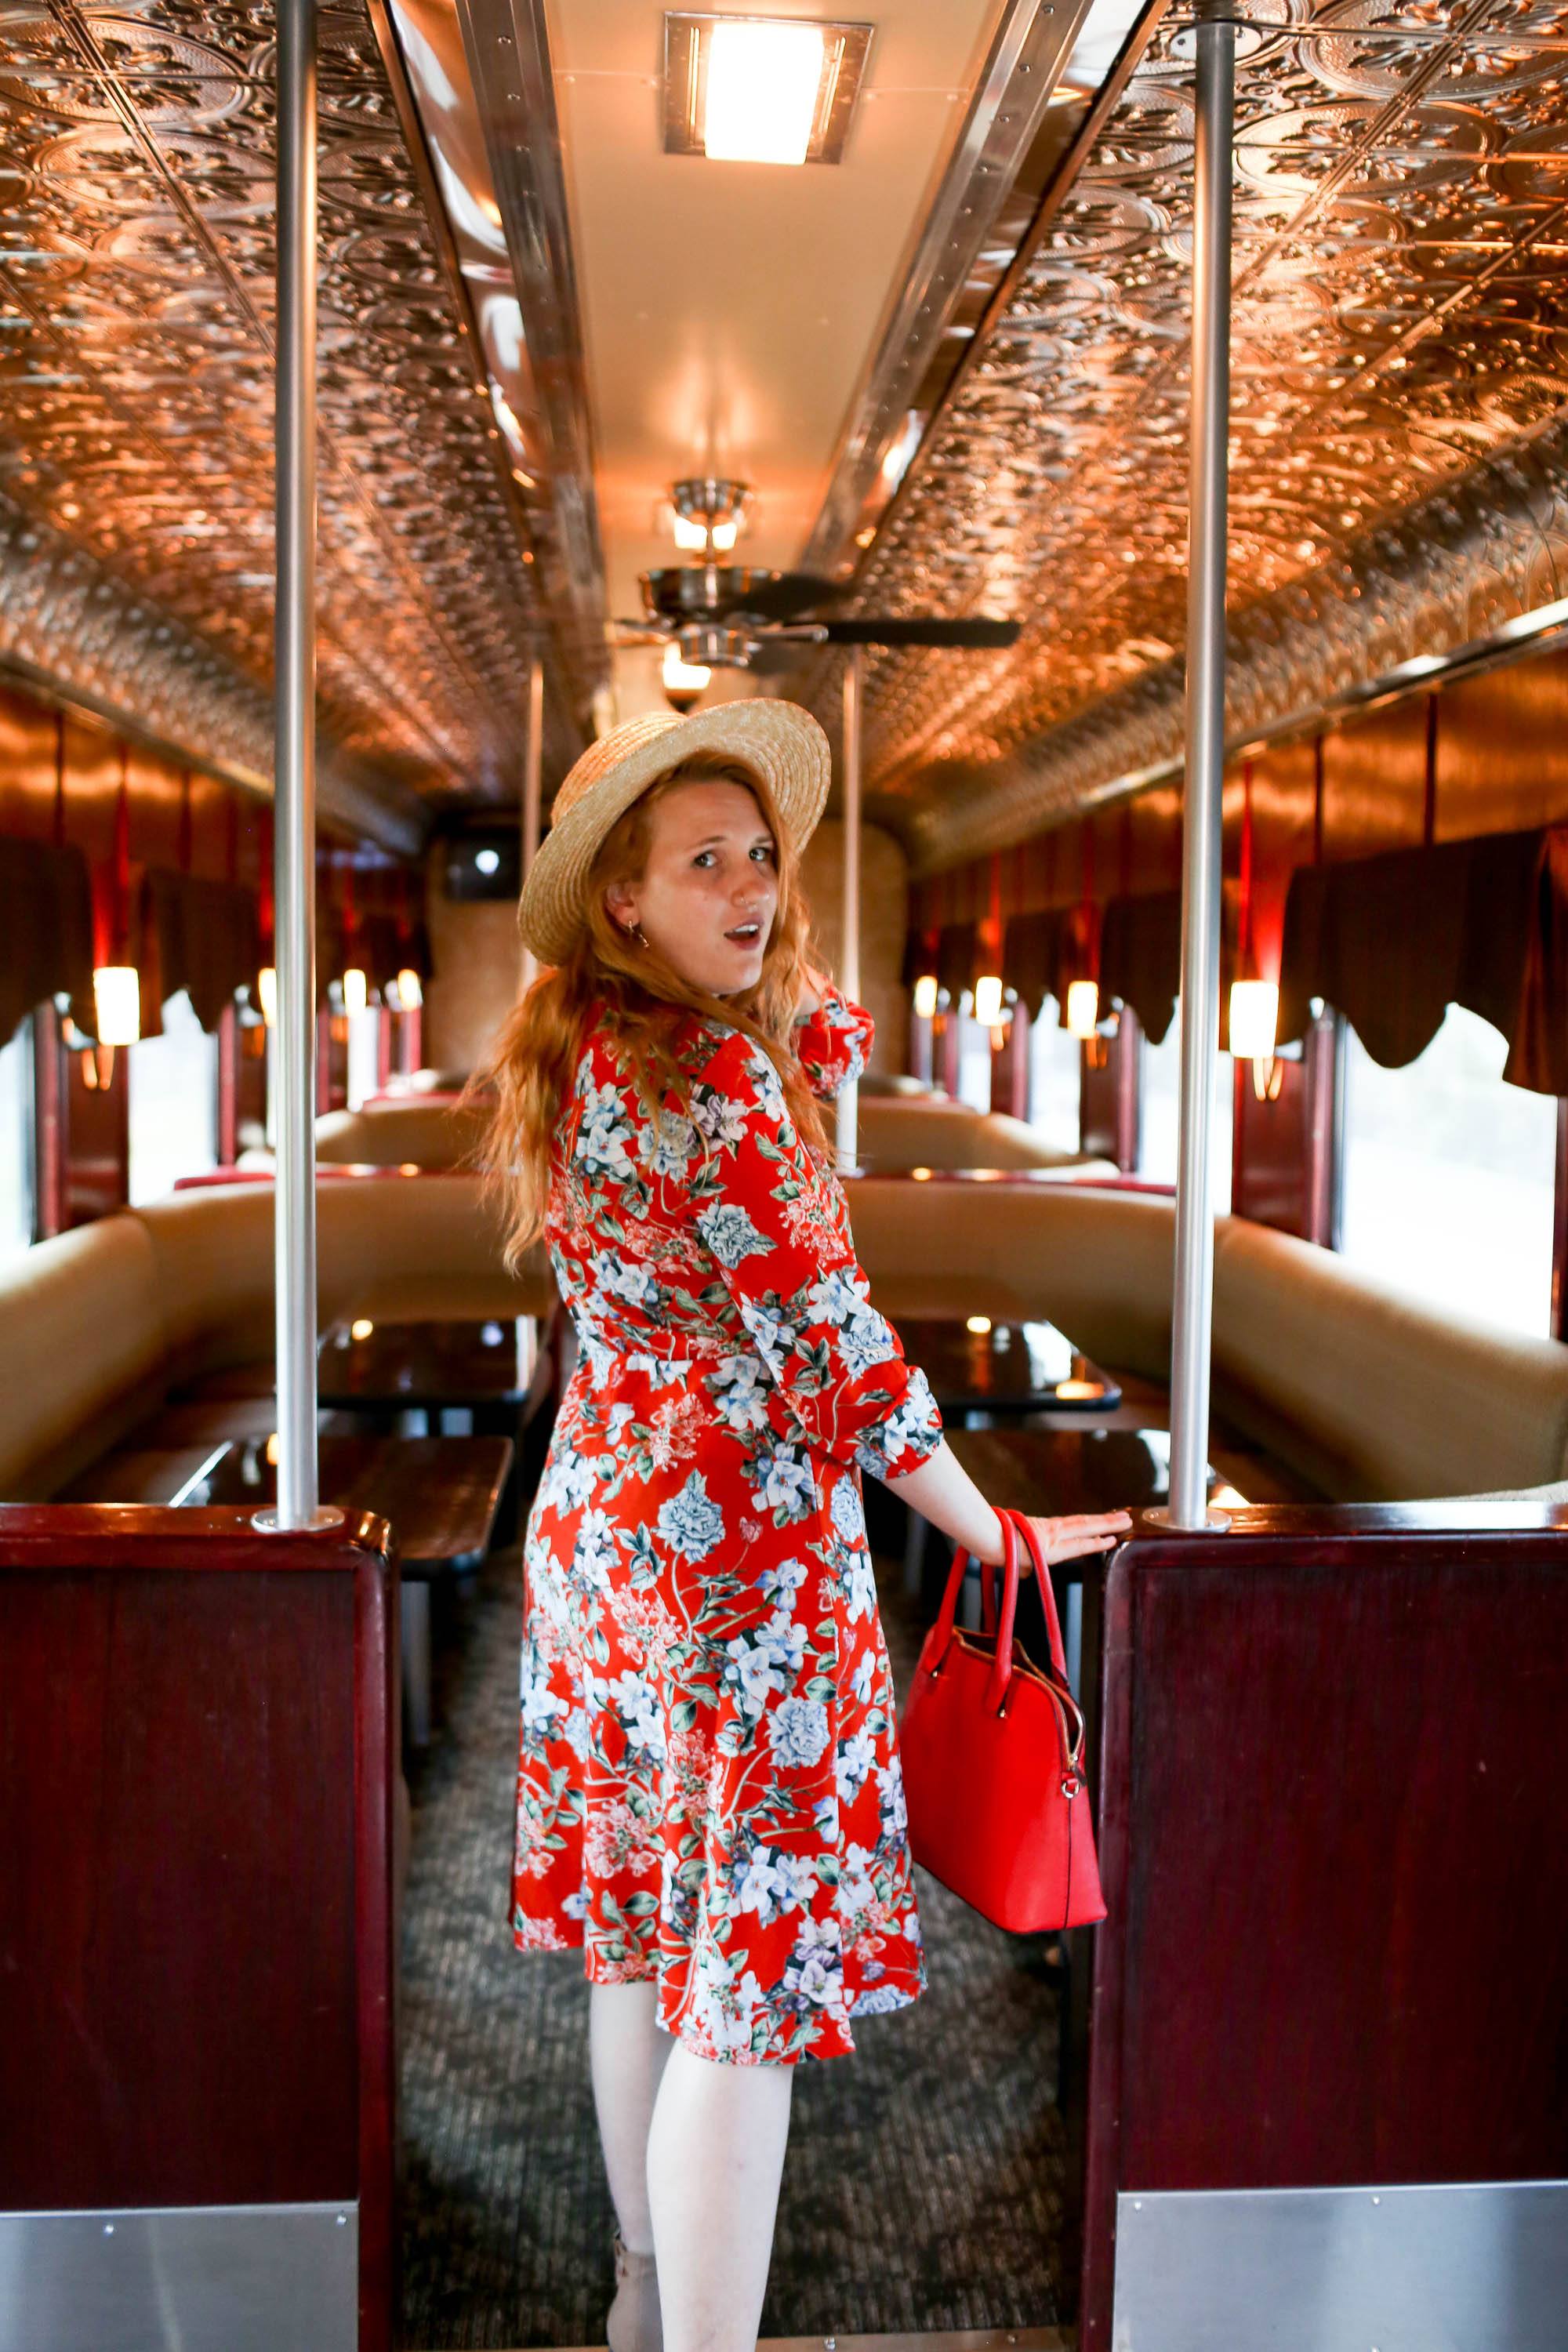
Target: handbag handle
point(1047, 1592)
point(1002, 1668)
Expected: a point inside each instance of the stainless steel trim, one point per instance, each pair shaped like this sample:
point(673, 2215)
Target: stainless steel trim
point(294, 1280)
point(1193, 1308)
point(1015, 87)
point(848, 1101)
point(202, 2278)
point(1479, 2265)
point(507, 44)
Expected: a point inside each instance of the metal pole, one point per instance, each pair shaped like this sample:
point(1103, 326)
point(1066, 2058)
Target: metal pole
point(294, 1037)
point(532, 772)
point(849, 952)
point(1194, 1301)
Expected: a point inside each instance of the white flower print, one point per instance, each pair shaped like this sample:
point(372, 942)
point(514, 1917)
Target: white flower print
point(890, 1796)
point(782, 1643)
point(622, 1277)
point(837, 1297)
point(781, 1579)
point(690, 1522)
point(758, 1884)
point(860, 1588)
point(605, 1133)
point(730, 1233)
point(579, 1732)
point(856, 1757)
point(568, 1482)
point(750, 1676)
point(772, 1337)
point(785, 1482)
point(861, 1680)
point(849, 1516)
point(914, 1425)
point(798, 1730)
point(721, 1119)
point(741, 1388)
point(642, 1718)
point(866, 1339)
point(593, 1554)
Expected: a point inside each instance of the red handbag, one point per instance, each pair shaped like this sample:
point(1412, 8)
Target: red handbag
point(992, 1747)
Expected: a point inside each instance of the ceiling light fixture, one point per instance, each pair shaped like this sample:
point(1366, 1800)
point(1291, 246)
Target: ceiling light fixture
point(761, 90)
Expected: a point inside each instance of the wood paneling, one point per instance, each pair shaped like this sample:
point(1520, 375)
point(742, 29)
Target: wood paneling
point(1374, 781)
point(1328, 1741)
point(195, 1772)
point(27, 767)
point(1502, 749)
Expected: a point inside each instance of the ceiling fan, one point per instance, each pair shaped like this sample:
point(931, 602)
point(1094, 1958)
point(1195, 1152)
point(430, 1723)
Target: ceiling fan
point(742, 616)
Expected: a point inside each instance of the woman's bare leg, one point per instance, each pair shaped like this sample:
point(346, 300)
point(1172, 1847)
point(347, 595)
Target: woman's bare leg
point(715, 2154)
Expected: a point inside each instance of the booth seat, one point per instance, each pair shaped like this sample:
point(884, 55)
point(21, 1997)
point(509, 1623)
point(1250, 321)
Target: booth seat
point(96, 1325)
point(400, 1131)
point(896, 1131)
point(1361, 1391)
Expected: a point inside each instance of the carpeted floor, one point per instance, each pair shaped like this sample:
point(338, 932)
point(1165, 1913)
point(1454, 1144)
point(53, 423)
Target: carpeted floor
point(923, 2185)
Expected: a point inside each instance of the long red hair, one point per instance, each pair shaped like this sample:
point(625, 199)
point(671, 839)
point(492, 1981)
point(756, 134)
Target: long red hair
point(645, 1010)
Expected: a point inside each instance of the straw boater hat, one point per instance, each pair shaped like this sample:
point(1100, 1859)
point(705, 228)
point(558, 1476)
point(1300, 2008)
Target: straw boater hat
point(778, 742)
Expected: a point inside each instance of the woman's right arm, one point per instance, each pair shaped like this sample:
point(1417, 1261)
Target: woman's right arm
point(942, 1490)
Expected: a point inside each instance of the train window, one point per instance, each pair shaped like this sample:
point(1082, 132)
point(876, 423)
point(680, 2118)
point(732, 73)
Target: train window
point(17, 1140)
point(364, 1055)
point(1449, 1176)
point(1056, 1080)
point(1160, 1096)
point(173, 1103)
point(974, 1060)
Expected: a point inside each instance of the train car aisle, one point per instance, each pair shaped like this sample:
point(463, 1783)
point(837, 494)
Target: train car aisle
point(923, 2187)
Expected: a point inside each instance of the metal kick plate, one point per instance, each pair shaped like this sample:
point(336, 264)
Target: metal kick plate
point(215, 2278)
point(1478, 2267)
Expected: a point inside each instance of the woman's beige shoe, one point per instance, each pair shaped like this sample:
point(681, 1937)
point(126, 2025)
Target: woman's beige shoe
point(633, 2324)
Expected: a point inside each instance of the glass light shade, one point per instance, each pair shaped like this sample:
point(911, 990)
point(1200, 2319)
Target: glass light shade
point(988, 1000)
point(410, 994)
point(356, 995)
point(925, 995)
point(267, 993)
point(691, 536)
point(1083, 1007)
point(1254, 1019)
point(762, 81)
point(683, 678)
point(117, 997)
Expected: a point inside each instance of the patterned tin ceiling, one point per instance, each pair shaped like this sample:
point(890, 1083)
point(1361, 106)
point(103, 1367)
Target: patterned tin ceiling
point(136, 307)
point(1401, 253)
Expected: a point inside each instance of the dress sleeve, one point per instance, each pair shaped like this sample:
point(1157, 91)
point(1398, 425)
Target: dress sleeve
point(833, 1044)
point(774, 1225)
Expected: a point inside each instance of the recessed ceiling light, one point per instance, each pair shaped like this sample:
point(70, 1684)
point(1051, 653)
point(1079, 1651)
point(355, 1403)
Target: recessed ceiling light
point(761, 90)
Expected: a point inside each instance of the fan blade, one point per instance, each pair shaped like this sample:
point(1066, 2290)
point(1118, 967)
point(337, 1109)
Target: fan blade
point(772, 654)
point(975, 635)
point(789, 594)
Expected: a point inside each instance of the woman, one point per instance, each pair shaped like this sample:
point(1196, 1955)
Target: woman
point(709, 1795)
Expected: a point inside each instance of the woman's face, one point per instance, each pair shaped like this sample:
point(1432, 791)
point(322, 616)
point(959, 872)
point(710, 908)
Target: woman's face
point(707, 899)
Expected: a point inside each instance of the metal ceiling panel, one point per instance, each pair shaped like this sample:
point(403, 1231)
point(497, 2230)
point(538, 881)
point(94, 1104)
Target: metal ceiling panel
point(136, 266)
point(1402, 236)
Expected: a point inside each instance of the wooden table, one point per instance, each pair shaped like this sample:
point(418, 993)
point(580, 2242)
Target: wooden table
point(988, 1366)
point(364, 1365)
point(441, 1495)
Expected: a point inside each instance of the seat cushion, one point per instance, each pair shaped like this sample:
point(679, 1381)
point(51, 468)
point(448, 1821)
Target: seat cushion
point(82, 1341)
point(1368, 1392)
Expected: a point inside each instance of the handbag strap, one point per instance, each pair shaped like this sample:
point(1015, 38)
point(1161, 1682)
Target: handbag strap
point(1002, 1668)
point(1047, 1592)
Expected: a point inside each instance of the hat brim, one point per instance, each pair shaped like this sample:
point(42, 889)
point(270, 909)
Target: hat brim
point(777, 740)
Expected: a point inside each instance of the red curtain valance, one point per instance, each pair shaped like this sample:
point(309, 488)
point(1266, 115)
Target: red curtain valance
point(45, 929)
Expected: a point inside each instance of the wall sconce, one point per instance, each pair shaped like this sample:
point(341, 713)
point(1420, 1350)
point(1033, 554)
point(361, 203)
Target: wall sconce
point(410, 993)
point(988, 1001)
point(357, 994)
point(1254, 1029)
point(266, 995)
point(117, 997)
point(1083, 1008)
point(925, 996)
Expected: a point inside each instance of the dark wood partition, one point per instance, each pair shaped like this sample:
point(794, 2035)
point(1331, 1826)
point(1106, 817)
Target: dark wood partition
point(197, 1756)
point(1332, 1819)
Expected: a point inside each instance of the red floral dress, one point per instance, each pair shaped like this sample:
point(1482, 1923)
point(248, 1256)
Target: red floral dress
point(708, 1791)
